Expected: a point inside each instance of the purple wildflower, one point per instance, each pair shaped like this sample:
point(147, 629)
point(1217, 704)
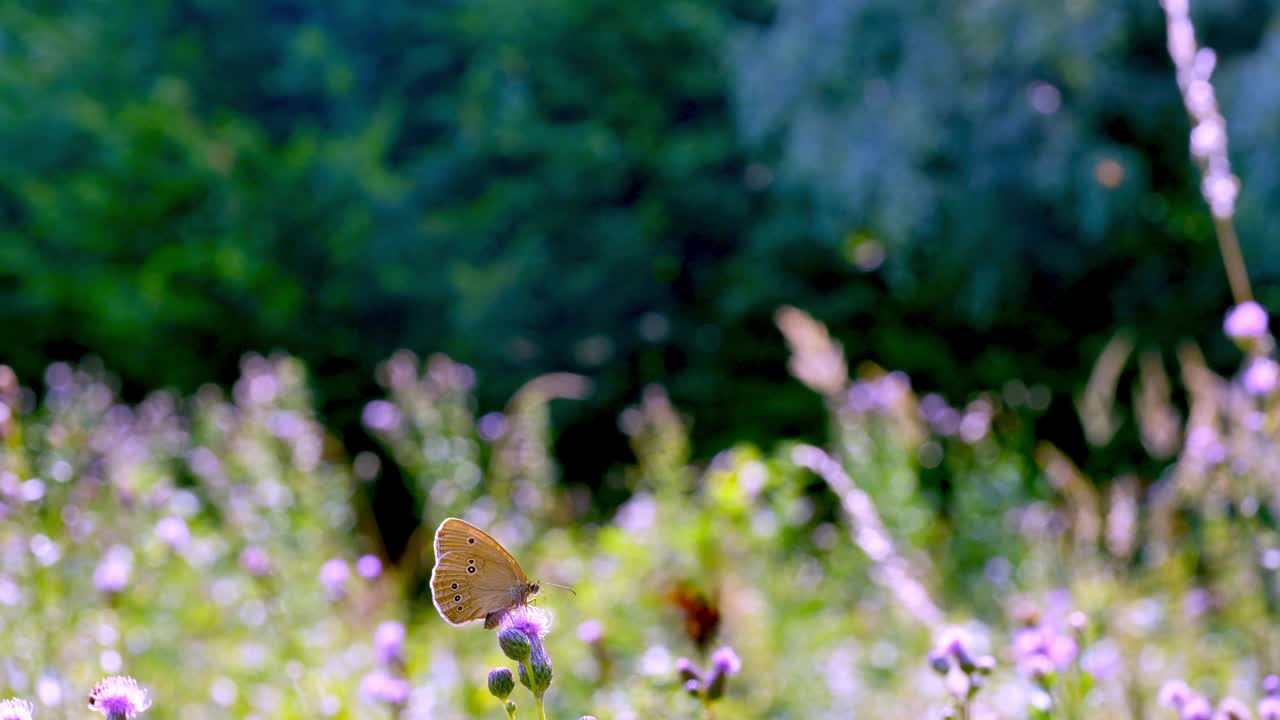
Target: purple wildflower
point(1174, 694)
point(528, 619)
point(173, 532)
point(388, 642)
point(15, 709)
point(1233, 709)
point(687, 670)
point(590, 632)
point(381, 416)
point(725, 661)
point(1196, 708)
point(693, 687)
point(119, 697)
point(1271, 685)
point(333, 575)
point(1261, 376)
point(940, 660)
point(1043, 641)
point(112, 574)
point(369, 567)
point(1269, 708)
point(1248, 320)
point(255, 561)
point(381, 686)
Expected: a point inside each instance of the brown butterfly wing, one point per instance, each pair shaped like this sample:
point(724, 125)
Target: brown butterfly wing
point(474, 575)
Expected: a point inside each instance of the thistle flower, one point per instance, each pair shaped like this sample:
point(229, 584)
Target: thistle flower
point(1269, 708)
point(381, 686)
point(590, 632)
point(501, 683)
point(1196, 708)
point(534, 622)
point(940, 660)
point(1174, 694)
point(254, 560)
point(333, 575)
point(112, 574)
point(119, 697)
point(1233, 709)
point(388, 642)
point(172, 531)
point(1248, 320)
point(15, 709)
point(687, 670)
point(1261, 376)
point(369, 567)
point(725, 661)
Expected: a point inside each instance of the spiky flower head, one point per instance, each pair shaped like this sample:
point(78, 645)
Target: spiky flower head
point(725, 661)
point(380, 686)
point(515, 644)
point(1232, 709)
point(501, 682)
point(1174, 694)
point(119, 697)
point(528, 619)
point(388, 642)
point(15, 709)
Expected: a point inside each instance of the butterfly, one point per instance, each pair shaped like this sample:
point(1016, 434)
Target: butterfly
point(475, 578)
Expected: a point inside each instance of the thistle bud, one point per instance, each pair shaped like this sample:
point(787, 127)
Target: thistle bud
point(687, 670)
point(511, 708)
point(515, 644)
point(501, 682)
point(940, 661)
point(540, 664)
point(693, 687)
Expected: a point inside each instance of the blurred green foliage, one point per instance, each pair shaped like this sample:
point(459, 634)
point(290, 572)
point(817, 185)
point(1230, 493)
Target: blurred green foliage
point(622, 190)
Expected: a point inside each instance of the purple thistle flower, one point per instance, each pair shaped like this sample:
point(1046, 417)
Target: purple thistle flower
point(687, 670)
point(533, 621)
point(369, 567)
point(333, 575)
point(15, 709)
point(381, 416)
point(1043, 641)
point(1248, 320)
point(119, 697)
point(388, 642)
point(693, 687)
point(1260, 376)
point(112, 574)
point(1174, 694)
point(173, 532)
point(590, 632)
point(383, 687)
point(1269, 708)
point(940, 660)
point(1232, 709)
point(1196, 708)
point(1271, 685)
point(725, 661)
point(255, 561)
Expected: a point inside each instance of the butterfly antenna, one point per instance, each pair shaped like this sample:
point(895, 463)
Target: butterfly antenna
point(564, 587)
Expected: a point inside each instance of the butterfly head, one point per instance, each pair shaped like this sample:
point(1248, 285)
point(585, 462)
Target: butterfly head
point(534, 589)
